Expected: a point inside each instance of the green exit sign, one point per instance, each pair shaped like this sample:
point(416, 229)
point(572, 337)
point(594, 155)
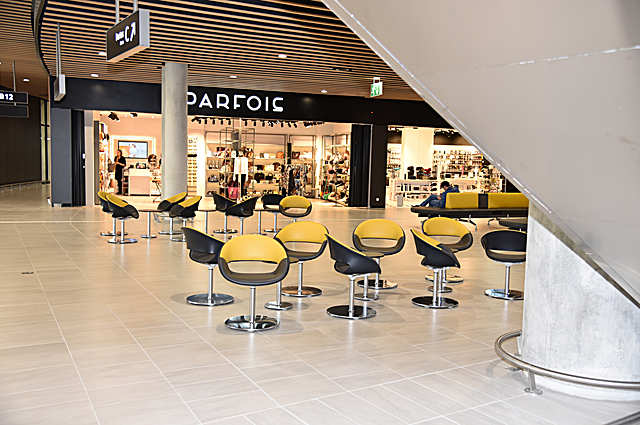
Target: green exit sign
point(376, 87)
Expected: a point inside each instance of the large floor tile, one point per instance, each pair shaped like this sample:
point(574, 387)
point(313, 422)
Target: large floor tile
point(232, 405)
point(185, 356)
point(158, 411)
point(299, 388)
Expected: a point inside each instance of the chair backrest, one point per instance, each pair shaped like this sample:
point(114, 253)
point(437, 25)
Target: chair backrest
point(505, 240)
point(295, 201)
point(186, 208)
point(436, 255)
point(444, 226)
point(253, 248)
point(244, 208)
point(461, 200)
point(507, 200)
point(379, 228)
point(221, 202)
point(102, 196)
point(303, 231)
point(357, 262)
point(169, 202)
point(201, 242)
point(271, 199)
point(121, 208)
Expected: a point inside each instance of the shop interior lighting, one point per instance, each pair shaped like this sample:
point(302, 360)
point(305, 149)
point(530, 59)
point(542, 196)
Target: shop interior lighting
point(113, 116)
point(295, 124)
point(102, 53)
point(221, 121)
point(95, 75)
point(282, 56)
point(133, 114)
point(289, 124)
point(254, 123)
point(323, 91)
point(228, 121)
point(233, 76)
point(263, 123)
point(26, 80)
point(244, 122)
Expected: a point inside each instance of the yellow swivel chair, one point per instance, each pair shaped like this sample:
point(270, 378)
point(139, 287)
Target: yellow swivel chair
point(102, 196)
point(448, 227)
point(295, 207)
point(378, 236)
point(185, 210)
point(438, 258)
point(238, 262)
point(121, 210)
point(165, 206)
point(309, 234)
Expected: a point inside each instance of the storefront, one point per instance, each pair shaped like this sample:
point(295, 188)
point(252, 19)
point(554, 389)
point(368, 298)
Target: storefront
point(239, 141)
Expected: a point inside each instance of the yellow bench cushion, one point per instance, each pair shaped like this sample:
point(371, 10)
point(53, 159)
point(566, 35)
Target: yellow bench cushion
point(506, 200)
point(462, 200)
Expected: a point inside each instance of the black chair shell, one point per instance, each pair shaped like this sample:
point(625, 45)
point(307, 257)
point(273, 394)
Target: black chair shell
point(242, 209)
point(202, 248)
point(505, 240)
point(349, 261)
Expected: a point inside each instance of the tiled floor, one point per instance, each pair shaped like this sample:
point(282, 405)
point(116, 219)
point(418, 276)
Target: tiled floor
point(92, 333)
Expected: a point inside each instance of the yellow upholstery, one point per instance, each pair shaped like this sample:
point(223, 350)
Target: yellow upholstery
point(102, 195)
point(462, 200)
point(303, 231)
point(116, 201)
point(379, 228)
point(444, 226)
point(434, 243)
point(176, 198)
point(190, 201)
point(253, 248)
point(507, 200)
point(295, 201)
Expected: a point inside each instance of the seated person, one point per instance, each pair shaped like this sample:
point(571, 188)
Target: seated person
point(439, 201)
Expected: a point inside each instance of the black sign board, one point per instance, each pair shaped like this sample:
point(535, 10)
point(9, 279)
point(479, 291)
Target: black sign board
point(8, 96)
point(128, 36)
point(14, 111)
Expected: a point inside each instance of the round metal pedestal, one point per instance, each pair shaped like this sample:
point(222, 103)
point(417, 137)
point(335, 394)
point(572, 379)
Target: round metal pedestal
point(216, 299)
point(441, 303)
point(178, 240)
point(228, 231)
point(273, 305)
point(304, 292)
point(452, 279)
point(383, 284)
point(443, 290)
point(270, 230)
point(243, 323)
point(369, 297)
point(111, 233)
point(500, 294)
point(359, 312)
point(148, 236)
point(122, 241)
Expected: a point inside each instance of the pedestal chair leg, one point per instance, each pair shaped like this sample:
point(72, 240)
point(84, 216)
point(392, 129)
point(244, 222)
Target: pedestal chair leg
point(252, 322)
point(206, 222)
point(379, 284)
point(122, 239)
point(278, 304)
point(365, 291)
point(148, 235)
point(301, 291)
point(506, 294)
point(436, 301)
point(242, 225)
point(351, 311)
point(259, 222)
point(210, 299)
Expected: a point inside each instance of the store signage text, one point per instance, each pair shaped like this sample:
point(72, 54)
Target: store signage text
point(218, 103)
point(128, 36)
point(8, 96)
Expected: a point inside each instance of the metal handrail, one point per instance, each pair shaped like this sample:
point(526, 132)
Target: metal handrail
point(538, 370)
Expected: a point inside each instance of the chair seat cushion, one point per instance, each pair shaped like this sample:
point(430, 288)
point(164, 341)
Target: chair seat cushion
point(254, 279)
point(295, 214)
point(506, 257)
point(302, 255)
point(203, 257)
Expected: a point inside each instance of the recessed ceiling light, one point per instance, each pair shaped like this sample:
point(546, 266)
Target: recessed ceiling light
point(95, 75)
point(282, 56)
point(102, 53)
point(323, 91)
point(26, 80)
point(233, 76)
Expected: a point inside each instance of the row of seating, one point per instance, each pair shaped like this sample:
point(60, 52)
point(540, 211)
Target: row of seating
point(357, 263)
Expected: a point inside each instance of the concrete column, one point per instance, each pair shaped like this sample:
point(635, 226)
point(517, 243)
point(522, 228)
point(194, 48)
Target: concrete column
point(174, 128)
point(575, 321)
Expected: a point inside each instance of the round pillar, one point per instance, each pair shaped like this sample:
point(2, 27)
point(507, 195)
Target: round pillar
point(174, 128)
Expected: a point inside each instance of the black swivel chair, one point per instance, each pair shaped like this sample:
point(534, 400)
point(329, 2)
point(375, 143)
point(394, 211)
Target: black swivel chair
point(354, 264)
point(508, 247)
point(222, 204)
point(242, 210)
point(204, 249)
point(165, 206)
point(438, 258)
point(121, 210)
point(184, 210)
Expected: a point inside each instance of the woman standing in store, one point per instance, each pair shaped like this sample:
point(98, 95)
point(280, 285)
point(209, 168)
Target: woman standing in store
point(120, 163)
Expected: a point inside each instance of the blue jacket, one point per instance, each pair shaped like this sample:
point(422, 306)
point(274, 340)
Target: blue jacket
point(450, 189)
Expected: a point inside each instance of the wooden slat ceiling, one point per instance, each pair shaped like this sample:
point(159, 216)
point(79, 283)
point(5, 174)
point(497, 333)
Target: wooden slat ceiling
point(17, 44)
point(222, 38)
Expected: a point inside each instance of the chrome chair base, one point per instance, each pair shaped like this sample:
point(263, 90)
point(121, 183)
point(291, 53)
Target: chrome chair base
point(383, 284)
point(452, 279)
point(359, 312)
point(501, 294)
point(122, 241)
point(227, 231)
point(112, 234)
point(243, 323)
point(270, 230)
point(282, 306)
point(181, 239)
point(368, 297)
point(440, 302)
point(443, 290)
point(215, 300)
point(148, 236)
point(302, 292)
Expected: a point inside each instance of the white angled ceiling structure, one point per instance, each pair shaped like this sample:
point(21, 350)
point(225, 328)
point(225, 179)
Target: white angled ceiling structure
point(549, 90)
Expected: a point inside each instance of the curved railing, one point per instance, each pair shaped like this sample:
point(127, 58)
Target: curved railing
point(538, 370)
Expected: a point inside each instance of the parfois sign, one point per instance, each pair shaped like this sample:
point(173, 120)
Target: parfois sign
point(227, 102)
